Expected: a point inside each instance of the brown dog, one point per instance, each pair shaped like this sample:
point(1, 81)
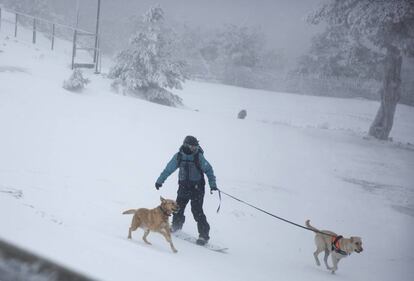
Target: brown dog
point(154, 220)
point(337, 246)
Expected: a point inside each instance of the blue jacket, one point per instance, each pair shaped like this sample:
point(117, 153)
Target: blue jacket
point(189, 172)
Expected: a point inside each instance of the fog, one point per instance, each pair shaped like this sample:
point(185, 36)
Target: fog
point(282, 21)
point(265, 44)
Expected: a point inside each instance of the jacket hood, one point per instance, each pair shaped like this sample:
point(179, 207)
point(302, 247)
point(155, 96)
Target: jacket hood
point(187, 151)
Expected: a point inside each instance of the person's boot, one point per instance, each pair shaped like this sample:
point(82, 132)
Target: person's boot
point(175, 228)
point(201, 241)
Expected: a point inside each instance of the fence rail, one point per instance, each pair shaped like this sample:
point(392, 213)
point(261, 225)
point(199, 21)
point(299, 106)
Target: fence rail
point(52, 30)
point(47, 21)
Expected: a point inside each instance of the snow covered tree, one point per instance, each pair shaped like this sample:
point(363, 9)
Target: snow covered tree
point(273, 60)
point(241, 45)
point(335, 53)
point(146, 67)
point(191, 47)
point(386, 25)
point(240, 49)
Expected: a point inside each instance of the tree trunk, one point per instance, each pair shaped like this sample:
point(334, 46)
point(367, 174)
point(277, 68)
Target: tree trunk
point(390, 95)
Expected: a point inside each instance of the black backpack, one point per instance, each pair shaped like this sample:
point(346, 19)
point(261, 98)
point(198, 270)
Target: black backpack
point(196, 159)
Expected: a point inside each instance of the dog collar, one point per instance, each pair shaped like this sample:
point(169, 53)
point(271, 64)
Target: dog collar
point(164, 212)
point(336, 247)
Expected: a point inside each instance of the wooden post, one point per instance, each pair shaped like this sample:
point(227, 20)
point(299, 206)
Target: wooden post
point(74, 49)
point(100, 62)
point(97, 60)
point(34, 31)
point(95, 55)
point(53, 36)
point(15, 25)
point(75, 35)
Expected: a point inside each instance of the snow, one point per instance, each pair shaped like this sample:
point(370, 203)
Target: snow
point(72, 162)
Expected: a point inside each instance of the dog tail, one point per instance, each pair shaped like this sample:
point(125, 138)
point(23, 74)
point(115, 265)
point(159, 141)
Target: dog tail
point(129, 212)
point(308, 225)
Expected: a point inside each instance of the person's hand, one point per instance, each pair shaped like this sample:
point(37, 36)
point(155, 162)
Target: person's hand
point(158, 185)
point(213, 188)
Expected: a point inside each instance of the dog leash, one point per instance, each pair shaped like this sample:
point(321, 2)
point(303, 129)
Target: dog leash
point(270, 214)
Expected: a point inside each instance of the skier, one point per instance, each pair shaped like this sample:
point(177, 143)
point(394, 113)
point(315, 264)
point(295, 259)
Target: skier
point(191, 183)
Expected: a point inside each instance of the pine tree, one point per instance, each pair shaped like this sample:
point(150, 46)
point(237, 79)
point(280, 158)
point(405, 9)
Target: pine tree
point(240, 50)
point(387, 25)
point(334, 53)
point(146, 67)
point(241, 45)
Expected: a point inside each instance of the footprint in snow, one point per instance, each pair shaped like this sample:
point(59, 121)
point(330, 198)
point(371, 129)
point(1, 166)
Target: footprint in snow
point(16, 193)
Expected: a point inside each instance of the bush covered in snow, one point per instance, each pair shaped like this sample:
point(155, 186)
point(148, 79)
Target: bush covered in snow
point(76, 81)
point(147, 67)
point(161, 96)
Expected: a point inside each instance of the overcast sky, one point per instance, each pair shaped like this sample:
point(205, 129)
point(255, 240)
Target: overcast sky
point(281, 20)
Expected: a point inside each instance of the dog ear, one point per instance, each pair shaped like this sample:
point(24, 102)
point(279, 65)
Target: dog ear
point(162, 199)
point(355, 239)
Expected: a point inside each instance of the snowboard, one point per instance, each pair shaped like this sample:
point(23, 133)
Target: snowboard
point(189, 238)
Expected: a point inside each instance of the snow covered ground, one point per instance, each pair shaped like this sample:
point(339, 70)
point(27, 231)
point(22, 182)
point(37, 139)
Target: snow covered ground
point(71, 163)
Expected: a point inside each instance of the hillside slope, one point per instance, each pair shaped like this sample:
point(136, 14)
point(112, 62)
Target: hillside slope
point(71, 163)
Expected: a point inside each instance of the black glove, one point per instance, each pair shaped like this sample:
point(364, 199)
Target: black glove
point(213, 188)
point(158, 185)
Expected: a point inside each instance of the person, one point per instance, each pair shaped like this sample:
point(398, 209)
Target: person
point(191, 185)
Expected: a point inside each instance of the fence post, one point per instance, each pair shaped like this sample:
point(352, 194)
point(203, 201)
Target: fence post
point(15, 25)
point(53, 36)
point(74, 48)
point(97, 61)
point(34, 31)
point(95, 54)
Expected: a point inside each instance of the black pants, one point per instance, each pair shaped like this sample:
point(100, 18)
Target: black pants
point(195, 193)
